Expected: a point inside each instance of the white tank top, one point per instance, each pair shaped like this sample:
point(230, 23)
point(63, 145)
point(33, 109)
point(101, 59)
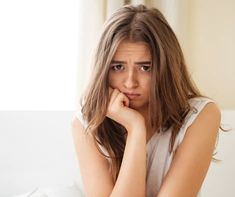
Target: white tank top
point(157, 149)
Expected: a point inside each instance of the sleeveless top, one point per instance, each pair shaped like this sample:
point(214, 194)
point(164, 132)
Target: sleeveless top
point(158, 158)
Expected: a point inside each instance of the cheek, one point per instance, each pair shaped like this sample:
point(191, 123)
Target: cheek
point(112, 81)
point(147, 85)
point(147, 82)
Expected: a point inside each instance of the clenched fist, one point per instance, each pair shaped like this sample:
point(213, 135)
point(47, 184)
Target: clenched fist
point(118, 110)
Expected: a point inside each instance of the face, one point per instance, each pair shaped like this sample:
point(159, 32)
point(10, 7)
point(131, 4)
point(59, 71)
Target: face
point(130, 73)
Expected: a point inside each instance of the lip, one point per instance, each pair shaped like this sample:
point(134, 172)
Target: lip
point(132, 95)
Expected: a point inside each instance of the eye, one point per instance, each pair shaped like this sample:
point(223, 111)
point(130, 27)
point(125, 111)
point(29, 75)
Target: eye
point(117, 67)
point(145, 68)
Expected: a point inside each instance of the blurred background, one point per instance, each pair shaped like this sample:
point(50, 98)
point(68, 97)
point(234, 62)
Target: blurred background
point(46, 48)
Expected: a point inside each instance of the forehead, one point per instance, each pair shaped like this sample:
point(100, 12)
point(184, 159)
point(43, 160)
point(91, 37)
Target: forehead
point(137, 49)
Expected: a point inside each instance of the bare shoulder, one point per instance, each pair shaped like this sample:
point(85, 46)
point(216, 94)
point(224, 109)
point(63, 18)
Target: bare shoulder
point(205, 127)
point(208, 119)
point(75, 122)
point(78, 130)
point(76, 126)
point(213, 110)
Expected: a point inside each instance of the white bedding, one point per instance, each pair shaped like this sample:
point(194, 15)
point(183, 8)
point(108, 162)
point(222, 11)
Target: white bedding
point(37, 153)
point(71, 191)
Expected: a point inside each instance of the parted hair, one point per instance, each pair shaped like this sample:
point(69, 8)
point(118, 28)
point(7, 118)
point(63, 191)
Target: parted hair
point(171, 84)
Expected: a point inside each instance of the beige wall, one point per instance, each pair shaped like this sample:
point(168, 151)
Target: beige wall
point(212, 49)
point(206, 31)
point(212, 53)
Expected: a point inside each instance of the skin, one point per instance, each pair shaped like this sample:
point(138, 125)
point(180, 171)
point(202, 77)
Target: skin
point(191, 159)
point(130, 71)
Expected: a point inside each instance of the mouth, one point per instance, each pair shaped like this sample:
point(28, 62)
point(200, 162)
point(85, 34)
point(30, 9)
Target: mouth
point(132, 95)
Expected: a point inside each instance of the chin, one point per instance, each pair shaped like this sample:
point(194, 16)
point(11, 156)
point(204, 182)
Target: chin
point(137, 106)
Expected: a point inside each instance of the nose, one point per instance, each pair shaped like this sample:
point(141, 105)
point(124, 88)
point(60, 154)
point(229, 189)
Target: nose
point(130, 80)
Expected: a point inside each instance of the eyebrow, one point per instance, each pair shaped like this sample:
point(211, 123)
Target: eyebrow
point(124, 62)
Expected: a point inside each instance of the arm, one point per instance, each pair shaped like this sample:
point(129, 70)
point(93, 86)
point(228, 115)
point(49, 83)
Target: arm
point(94, 167)
point(193, 156)
point(131, 178)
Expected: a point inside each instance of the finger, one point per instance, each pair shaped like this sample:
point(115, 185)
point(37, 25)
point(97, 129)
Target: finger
point(114, 94)
point(126, 101)
point(122, 99)
point(110, 91)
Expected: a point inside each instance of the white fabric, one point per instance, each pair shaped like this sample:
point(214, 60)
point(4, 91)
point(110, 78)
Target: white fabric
point(70, 191)
point(157, 149)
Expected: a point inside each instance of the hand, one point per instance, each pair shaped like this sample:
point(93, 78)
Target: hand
point(118, 110)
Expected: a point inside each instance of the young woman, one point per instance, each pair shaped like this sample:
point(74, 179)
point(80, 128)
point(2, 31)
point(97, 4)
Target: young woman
point(143, 129)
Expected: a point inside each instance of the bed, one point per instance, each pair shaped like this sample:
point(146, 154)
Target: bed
point(38, 157)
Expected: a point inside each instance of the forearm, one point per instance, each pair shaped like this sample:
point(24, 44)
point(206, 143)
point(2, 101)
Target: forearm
point(131, 178)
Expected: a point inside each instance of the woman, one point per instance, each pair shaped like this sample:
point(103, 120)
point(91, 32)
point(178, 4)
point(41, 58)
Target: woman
point(144, 129)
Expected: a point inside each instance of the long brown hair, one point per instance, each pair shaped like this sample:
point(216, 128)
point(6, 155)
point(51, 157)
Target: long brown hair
point(171, 85)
